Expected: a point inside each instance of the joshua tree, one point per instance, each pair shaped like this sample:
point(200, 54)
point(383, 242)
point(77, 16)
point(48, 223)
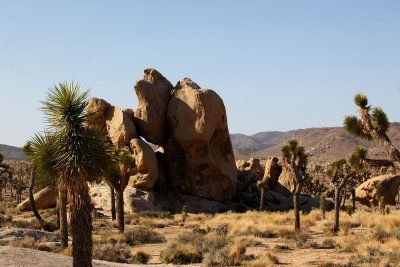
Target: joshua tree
point(112, 199)
point(119, 180)
point(19, 186)
point(5, 175)
point(75, 154)
point(296, 159)
point(341, 173)
point(322, 205)
point(372, 125)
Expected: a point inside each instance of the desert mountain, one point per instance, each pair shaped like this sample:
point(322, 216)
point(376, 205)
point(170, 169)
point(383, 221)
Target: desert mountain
point(322, 144)
point(12, 152)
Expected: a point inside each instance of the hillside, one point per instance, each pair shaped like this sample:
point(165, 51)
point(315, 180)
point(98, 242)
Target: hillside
point(12, 152)
point(322, 144)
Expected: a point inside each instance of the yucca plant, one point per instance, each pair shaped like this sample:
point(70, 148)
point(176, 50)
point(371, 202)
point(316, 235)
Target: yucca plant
point(118, 180)
point(372, 125)
point(75, 155)
point(343, 173)
point(295, 158)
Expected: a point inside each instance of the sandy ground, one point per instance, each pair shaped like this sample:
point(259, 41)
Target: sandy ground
point(22, 257)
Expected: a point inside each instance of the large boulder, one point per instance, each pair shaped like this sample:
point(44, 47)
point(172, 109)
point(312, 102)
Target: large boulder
point(272, 170)
point(99, 107)
point(366, 193)
point(146, 165)
point(251, 165)
point(150, 116)
point(118, 123)
point(286, 179)
point(199, 153)
point(44, 199)
point(134, 199)
point(120, 126)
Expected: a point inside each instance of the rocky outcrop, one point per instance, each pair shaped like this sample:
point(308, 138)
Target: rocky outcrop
point(120, 127)
point(366, 193)
point(146, 165)
point(44, 199)
point(154, 93)
point(272, 170)
point(251, 165)
point(286, 179)
point(118, 123)
point(199, 153)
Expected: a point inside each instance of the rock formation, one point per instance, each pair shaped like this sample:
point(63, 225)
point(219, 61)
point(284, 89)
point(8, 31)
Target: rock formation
point(44, 199)
point(272, 170)
point(150, 117)
point(251, 165)
point(119, 124)
point(146, 165)
point(366, 193)
point(199, 153)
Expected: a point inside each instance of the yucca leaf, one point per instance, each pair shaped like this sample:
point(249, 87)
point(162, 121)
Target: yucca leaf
point(380, 120)
point(361, 100)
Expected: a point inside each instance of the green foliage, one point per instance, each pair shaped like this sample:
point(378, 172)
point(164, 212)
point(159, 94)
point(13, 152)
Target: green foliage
point(322, 203)
point(313, 186)
point(294, 150)
point(179, 256)
point(125, 157)
point(380, 120)
point(349, 210)
point(379, 190)
point(69, 149)
point(354, 126)
point(356, 159)
point(361, 100)
point(337, 168)
point(142, 235)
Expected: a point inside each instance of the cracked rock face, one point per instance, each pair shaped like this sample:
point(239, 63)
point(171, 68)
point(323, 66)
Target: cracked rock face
point(199, 152)
point(146, 165)
point(150, 116)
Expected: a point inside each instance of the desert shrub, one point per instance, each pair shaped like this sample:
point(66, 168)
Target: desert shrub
point(25, 242)
point(299, 238)
point(131, 219)
point(176, 254)
point(282, 247)
point(156, 214)
point(212, 249)
point(142, 235)
point(112, 252)
point(264, 261)
point(29, 224)
point(67, 251)
point(140, 257)
point(380, 234)
point(328, 244)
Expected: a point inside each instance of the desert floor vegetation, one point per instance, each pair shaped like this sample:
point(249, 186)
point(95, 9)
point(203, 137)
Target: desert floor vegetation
point(366, 238)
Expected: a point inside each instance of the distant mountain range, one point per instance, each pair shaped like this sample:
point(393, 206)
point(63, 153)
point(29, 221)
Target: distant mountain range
point(322, 144)
point(12, 152)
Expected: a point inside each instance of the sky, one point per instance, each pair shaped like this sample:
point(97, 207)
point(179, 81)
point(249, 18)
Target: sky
point(278, 65)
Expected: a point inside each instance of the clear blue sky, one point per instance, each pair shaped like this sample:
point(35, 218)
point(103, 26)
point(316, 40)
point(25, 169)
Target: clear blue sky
point(278, 65)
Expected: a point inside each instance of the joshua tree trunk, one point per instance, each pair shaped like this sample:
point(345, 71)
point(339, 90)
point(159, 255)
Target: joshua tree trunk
point(113, 212)
point(337, 208)
point(296, 207)
point(120, 210)
point(62, 200)
point(262, 191)
point(353, 198)
point(36, 213)
point(81, 221)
